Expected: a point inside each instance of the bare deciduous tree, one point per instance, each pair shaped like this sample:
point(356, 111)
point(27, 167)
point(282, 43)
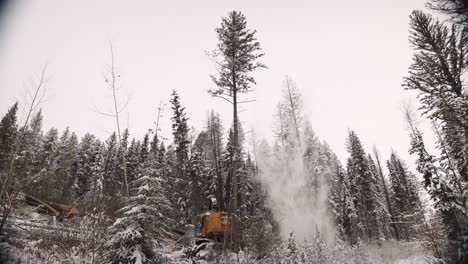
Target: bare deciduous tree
point(112, 82)
point(35, 96)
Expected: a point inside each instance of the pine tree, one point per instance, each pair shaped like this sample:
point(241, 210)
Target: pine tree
point(232, 160)
point(437, 75)
point(456, 9)
point(41, 182)
point(215, 132)
point(349, 215)
point(380, 214)
point(70, 157)
point(68, 152)
point(121, 167)
point(89, 169)
point(198, 175)
point(8, 129)
point(362, 187)
point(144, 149)
point(406, 201)
point(292, 103)
point(133, 159)
point(236, 58)
point(30, 150)
point(180, 168)
point(383, 183)
point(111, 183)
point(137, 234)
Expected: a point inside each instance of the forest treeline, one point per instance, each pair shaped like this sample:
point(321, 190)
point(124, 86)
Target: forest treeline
point(143, 188)
point(172, 184)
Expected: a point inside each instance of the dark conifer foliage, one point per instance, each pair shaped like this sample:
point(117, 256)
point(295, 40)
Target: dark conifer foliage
point(236, 57)
point(437, 75)
point(456, 9)
point(8, 129)
point(363, 186)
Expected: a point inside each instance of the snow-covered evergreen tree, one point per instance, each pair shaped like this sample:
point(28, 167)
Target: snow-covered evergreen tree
point(180, 169)
point(437, 75)
point(8, 129)
point(215, 132)
point(363, 189)
point(89, 168)
point(111, 183)
point(42, 179)
point(406, 203)
point(63, 175)
point(137, 235)
point(29, 152)
point(348, 213)
point(380, 213)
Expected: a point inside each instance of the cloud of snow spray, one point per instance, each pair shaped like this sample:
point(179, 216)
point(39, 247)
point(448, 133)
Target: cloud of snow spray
point(296, 205)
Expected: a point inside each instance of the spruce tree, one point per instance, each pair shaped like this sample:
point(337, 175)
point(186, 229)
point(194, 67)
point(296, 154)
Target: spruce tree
point(405, 193)
point(111, 184)
point(362, 187)
point(89, 169)
point(68, 152)
point(138, 233)
point(8, 129)
point(30, 150)
point(133, 159)
point(70, 178)
point(215, 132)
point(349, 215)
point(42, 181)
point(180, 168)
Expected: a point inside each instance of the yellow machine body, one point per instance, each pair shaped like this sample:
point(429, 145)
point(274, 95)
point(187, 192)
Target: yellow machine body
point(216, 223)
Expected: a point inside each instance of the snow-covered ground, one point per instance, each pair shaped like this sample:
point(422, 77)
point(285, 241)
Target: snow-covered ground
point(387, 253)
point(38, 242)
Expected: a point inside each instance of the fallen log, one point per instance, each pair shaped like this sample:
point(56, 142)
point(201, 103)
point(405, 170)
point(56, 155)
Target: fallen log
point(31, 200)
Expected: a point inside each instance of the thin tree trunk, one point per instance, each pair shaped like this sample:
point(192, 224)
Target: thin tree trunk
point(122, 152)
point(5, 200)
point(19, 140)
point(233, 208)
point(280, 114)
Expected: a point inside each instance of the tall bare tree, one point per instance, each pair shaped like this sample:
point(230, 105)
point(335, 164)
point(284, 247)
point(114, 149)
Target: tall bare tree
point(35, 97)
point(112, 82)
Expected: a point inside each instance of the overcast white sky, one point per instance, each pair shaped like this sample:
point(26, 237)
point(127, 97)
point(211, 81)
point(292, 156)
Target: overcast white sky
point(347, 57)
